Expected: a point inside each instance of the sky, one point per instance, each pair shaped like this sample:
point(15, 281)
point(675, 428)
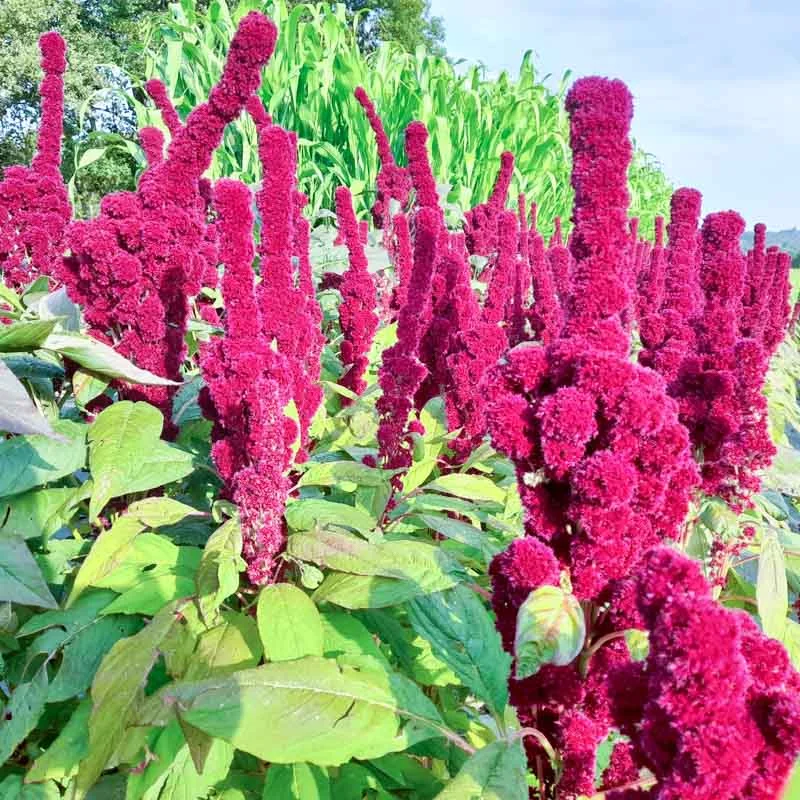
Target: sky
point(716, 83)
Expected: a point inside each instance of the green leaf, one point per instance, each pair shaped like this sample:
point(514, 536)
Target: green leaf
point(228, 647)
point(117, 691)
point(319, 710)
point(772, 591)
point(62, 757)
point(288, 623)
point(471, 487)
point(550, 630)
point(304, 515)
point(30, 461)
point(18, 413)
point(101, 359)
point(22, 712)
point(83, 654)
point(127, 456)
point(495, 772)
point(218, 575)
point(160, 512)
point(28, 335)
point(107, 553)
point(462, 634)
point(87, 385)
point(152, 593)
point(297, 782)
point(37, 513)
point(21, 579)
point(461, 532)
point(343, 634)
point(13, 788)
point(421, 563)
point(364, 591)
point(331, 473)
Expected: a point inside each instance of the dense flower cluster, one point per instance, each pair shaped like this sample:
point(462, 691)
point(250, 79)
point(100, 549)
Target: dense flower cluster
point(286, 294)
point(714, 711)
point(134, 267)
point(357, 318)
point(481, 223)
point(34, 205)
point(248, 386)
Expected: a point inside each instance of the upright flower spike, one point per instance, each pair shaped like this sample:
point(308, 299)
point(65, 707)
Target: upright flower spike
point(560, 260)
point(357, 317)
point(668, 336)
point(152, 142)
point(503, 272)
point(651, 279)
point(546, 315)
point(401, 252)
point(157, 92)
point(600, 114)
point(34, 204)
point(754, 298)
point(419, 168)
point(393, 182)
point(779, 308)
point(481, 222)
point(401, 372)
point(134, 267)
point(289, 309)
point(248, 385)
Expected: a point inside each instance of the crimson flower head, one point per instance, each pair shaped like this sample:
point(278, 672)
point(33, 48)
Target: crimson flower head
point(34, 205)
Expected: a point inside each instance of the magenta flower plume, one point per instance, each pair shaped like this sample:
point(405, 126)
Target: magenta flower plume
point(34, 204)
point(134, 267)
point(546, 315)
point(357, 317)
point(152, 142)
point(600, 115)
point(779, 309)
point(394, 182)
point(157, 92)
point(248, 385)
point(652, 277)
point(714, 710)
point(502, 270)
point(286, 295)
point(755, 299)
point(560, 260)
point(419, 168)
point(401, 373)
point(481, 222)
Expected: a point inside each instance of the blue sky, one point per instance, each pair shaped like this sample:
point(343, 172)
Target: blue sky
point(716, 84)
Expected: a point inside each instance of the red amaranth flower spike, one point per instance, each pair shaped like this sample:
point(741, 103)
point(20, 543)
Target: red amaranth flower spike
point(357, 317)
point(393, 182)
point(34, 204)
point(546, 315)
point(481, 222)
point(600, 113)
point(401, 372)
point(419, 168)
point(247, 388)
point(152, 142)
point(135, 266)
point(502, 272)
point(157, 92)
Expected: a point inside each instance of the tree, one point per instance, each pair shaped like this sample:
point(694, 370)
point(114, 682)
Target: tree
point(407, 22)
point(796, 261)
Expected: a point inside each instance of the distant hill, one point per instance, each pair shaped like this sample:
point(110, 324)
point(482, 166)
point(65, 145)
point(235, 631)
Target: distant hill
point(788, 240)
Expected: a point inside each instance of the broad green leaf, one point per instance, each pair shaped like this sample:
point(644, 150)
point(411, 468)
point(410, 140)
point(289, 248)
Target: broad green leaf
point(87, 385)
point(321, 711)
point(218, 575)
point(462, 634)
point(30, 461)
point(152, 594)
point(471, 487)
point(331, 473)
point(791, 641)
point(37, 512)
point(21, 580)
point(461, 532)
point(107, 553)
point(364, 591)
point(172, 775)
point(84, 652)
point(57, 305)
point(421, 563)
point(297, 782)
point(18, 413)
point(305, 515)
point(117, 692)
point(550, 630)
point(73, 619)
point(27, 335)
point(22, 712)
point(101, 359)
point(13, 788)
point(232, 645)
point(495, 772)
point(288, 623)
point(62, 757)
point(127, 456)
point(772, 591)
point(343, 633)
point(160, 512)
